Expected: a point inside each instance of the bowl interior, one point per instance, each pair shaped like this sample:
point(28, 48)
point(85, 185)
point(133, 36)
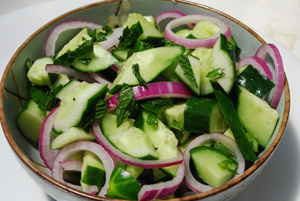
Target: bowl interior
point(14, 85)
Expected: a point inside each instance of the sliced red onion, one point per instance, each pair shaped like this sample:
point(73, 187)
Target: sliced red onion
point(190, 180)
point(46, 153)
point(155, 89)
point(274, 53)
point(72, 165)
point(147, 164)
point(71, 72)
point(72, 148)
point(257, 63)
point(172, 14)
point(64, 26)
point(164, 189)
point(194, 43)
point(112, 39)
point(99, 78)
point(115, 67)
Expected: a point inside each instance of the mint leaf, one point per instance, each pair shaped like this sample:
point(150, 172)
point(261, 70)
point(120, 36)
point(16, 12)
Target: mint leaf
point(229, 165)
point(29, 63)
point(187, 68)
point(152, 120)
point(49, 101)
point(130, 36)
point(215, 74)
point(136, 73)
point(154, 106)
point(98, 112)
point(219, 146)
point(126, 105)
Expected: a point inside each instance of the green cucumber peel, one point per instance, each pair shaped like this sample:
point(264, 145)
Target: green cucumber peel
point(234, 122)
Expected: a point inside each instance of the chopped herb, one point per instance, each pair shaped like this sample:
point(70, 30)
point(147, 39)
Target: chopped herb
point(229, 165)
point(29, 63)
point(136, 72)
point(175, 125)
point(155, 106)
point(126, 105)
point(97, 113)
point(85, 61)
point(187, 68)
point(49, 101)
point(130, 36)
point(221, 147)
point(152, 119)
point(253, 142)
point(36, 94)
point(215, 74)
point(74, 99)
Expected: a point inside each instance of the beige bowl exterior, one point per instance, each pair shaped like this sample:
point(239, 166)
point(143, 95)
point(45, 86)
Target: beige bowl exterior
point(14, 92)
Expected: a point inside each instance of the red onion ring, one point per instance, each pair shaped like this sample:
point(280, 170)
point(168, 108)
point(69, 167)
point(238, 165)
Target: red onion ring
point(172, 14)
point(147, 164)
point(112, 39)
point(257, 63)
point(97, 77)
point(46, 153)
point(190, 180)
point(194, 43)
point(70, 149)
point(274, 53)
point(71, 72)
point(64, 26)
point(71, 165)
point(155, 89)
point(162, 190)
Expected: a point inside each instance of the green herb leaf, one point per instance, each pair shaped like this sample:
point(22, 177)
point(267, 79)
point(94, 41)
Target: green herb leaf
point(152, 120)
point(221, 147)
point(215, 74)
point(130, 36)
point(229, 165)
point(49, 101)
point(29, 63)
point(253, 142)
point(85, 61)
point(136, 72)
point(97, 113)
point(187, 68)
point(155, 106)
point(126, 105)
point(36, 94)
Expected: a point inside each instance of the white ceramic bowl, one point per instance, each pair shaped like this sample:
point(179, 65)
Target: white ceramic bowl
point(14, 91)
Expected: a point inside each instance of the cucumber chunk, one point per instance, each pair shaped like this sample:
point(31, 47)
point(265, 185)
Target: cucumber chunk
point(109, 124)
point(254, 81)
point(150, 32)
point(66, 88)
point(76, 104)
point(163, 140)
point(151, 63)
point(207, 162)
point(219, 58)
point(123, 185)
point(121, 55)
point(92, 172)
point(204, 29)
point(76, 41)
point(37, 73)
point(100, 59)
point(203, 115)
point(258, 118)
point(71, 135)
point(135, 143)
point(30, 120)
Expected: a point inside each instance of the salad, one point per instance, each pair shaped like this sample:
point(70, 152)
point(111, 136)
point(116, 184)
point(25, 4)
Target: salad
point(145, 112)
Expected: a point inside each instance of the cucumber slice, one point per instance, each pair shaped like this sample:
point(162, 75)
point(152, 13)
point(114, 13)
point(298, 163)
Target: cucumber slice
point(135, 171)
point(100, 59)
point(184, 32)
point(135, 143)
point(254, 81)
point(151, 63)
point(76, 104)
point(234, 122)
point(66, 88)
point(163, 140)
point(194, 63)
point(120, 55)
point(76, 41)
point(92, 172)
point(204, 116)
point(175, 113)
point(202, 53)
point(219, 58)
point(37, 73)
point(204, 29)
point(30, 120)
point(207, 162)
point(123, 185)
point(170, 74)
point(258, 118)
point(71, 135)
point(109, 124)
point(150, 32)
point(61, 80)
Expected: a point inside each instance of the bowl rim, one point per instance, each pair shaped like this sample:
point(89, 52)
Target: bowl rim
point(31, 164)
